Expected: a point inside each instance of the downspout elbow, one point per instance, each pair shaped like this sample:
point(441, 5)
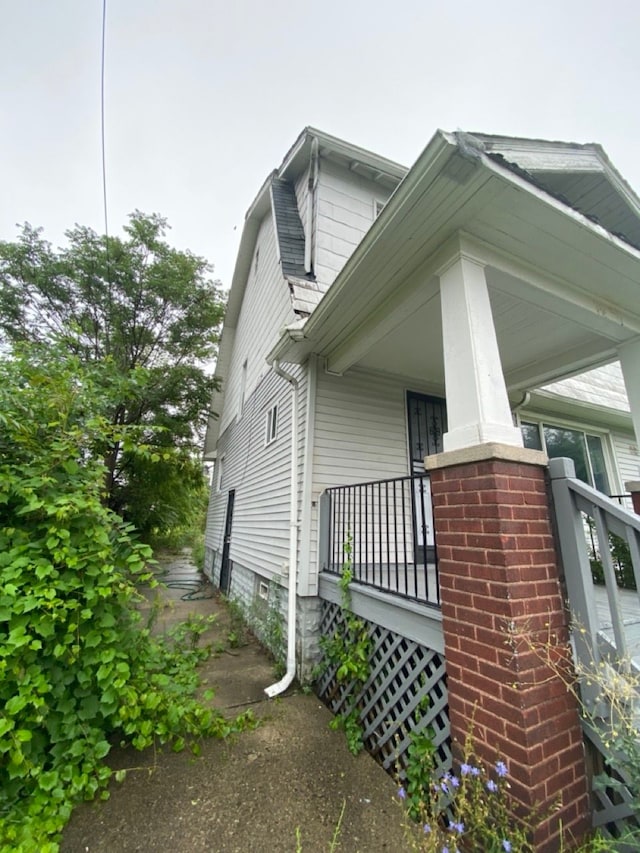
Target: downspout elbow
point(290, 673)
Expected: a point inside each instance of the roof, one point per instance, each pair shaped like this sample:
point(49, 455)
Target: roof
point(289, 230)
point(579, 175)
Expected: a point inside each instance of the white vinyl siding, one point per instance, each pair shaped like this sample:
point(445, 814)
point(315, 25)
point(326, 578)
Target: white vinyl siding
point(344, 215)
point(266, 308)
point(360, 435)
point(628, 458)
point(603, 386)
point(261, 478)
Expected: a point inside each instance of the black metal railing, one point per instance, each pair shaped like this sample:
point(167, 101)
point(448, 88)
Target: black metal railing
point(385, 530)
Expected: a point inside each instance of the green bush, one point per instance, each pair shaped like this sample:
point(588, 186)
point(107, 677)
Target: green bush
point(78, 671)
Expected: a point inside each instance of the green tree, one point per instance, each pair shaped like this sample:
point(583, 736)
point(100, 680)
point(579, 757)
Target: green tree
point(150, 310)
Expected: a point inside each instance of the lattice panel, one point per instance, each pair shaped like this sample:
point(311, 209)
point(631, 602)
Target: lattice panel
point(613, 811)
point(403, 673)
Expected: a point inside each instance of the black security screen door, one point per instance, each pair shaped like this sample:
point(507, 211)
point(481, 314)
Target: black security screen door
point(427, 420)
point(427, 417)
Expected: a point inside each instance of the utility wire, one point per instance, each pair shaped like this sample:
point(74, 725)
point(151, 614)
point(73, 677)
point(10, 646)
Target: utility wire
point(102, 132)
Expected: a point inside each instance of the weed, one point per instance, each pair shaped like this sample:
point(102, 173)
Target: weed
point(349, 650)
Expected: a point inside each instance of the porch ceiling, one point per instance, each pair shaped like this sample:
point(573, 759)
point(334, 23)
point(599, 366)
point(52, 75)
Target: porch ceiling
point(413, 348)
point(564, 292)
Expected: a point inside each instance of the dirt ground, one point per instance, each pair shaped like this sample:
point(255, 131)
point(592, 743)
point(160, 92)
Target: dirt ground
point(282, 787)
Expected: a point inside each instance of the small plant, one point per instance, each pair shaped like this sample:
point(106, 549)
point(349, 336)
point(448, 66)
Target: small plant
point(335, 838)
point(350, 724)
point(466, 810)
point(349, 650)
point(419, 770)
point(613, 716)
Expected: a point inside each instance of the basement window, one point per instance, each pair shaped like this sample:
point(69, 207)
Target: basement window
point(271, 425)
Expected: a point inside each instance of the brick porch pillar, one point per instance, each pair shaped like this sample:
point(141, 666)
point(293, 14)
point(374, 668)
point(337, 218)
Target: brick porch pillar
point(633, 487)
point(499, 584)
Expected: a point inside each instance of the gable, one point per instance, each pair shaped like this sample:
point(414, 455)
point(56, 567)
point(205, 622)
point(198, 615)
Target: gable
point(579, 175)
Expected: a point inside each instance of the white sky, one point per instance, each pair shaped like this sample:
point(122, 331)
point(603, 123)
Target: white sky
point(204, 97)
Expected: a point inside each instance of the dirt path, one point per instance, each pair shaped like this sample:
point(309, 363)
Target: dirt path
point(289, 778)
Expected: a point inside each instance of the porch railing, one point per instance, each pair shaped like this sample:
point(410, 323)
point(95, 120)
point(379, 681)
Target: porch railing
point(609, 618)
point(385, 529)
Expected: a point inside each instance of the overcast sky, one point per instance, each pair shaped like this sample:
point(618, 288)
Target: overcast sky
point(204, 97)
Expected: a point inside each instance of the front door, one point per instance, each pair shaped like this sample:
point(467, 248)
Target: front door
point(427, 420)
point(225, 567)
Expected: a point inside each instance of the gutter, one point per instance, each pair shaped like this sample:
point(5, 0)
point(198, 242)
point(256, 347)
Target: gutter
point(280, 686)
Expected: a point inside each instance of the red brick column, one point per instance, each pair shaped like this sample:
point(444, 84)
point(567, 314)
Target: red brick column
point(499, 589)
point(634, 489)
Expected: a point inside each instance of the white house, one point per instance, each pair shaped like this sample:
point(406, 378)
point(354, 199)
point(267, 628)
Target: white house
point(537, 214)
point(394, 335)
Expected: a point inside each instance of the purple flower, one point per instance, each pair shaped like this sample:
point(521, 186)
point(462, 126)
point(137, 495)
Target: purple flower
point(475, 771)
point(455, 782)
point(491, 786)
point(456, 827)
point(506, 846)
point(402, 793)
point(501, 768)
point(465, 769)
point(426, 829)
point(444, 786)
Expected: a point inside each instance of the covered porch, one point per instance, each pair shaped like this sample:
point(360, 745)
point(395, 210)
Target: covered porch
point(481, 283)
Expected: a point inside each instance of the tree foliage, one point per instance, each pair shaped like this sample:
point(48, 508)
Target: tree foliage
point(77, 668)
point(149, 310)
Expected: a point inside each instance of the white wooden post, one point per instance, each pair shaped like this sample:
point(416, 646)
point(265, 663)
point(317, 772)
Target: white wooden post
point(477, 404)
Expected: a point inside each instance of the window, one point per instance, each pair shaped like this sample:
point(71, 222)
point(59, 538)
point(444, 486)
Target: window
point(243, 385)
point(219, 473)
point(587, 451)
point(271, 427)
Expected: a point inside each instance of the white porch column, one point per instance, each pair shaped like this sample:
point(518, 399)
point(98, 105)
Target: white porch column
point(630, 362)
point(477, 404)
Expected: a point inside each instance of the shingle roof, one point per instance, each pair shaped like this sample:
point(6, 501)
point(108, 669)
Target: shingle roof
point(289, 230)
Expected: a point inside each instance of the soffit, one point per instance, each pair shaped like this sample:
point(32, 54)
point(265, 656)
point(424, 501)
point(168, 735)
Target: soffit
point(574, 296)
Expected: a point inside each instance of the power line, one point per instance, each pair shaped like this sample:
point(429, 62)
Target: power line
point(102, 132)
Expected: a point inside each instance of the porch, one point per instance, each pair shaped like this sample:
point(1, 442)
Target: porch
point(378, 530)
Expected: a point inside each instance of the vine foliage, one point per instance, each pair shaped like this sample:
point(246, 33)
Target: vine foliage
point(349, 650)
point(78, 670)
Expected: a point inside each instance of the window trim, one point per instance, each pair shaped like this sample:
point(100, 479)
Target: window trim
point(219, 472)
point(608, 447)
point(271, 425)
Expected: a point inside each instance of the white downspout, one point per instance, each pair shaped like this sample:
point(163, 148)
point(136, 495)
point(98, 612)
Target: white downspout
point(311, 185)
point(285, 681)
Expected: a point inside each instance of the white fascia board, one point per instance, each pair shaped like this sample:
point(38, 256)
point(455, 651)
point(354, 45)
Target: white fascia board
point(299, 150)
